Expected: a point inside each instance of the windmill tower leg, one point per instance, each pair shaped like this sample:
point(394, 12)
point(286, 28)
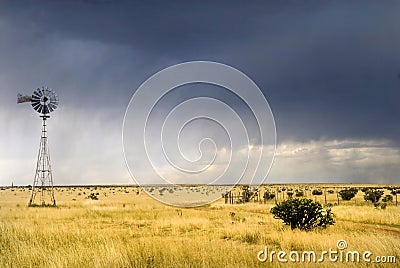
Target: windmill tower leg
point(43, 181)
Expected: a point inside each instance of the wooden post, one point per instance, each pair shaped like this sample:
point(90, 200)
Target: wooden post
point(338, 202)
point(396, 199)
point(325, 194)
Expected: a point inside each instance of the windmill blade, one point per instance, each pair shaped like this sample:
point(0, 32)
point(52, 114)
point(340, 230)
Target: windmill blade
point(44, 100)
point(21, 98)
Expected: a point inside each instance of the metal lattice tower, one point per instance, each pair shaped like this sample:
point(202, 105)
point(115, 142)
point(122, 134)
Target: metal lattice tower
point(43, 182)
point(44, 101)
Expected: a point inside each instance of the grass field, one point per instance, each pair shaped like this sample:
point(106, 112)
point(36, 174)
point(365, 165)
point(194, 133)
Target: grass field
point(127, 228)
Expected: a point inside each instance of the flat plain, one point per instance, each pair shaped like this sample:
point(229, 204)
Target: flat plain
point(125, 227)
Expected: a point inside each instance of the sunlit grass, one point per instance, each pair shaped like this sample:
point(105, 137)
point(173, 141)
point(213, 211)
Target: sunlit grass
point(130, 230)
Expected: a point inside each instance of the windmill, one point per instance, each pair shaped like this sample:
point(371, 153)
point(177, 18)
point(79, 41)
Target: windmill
point(44, 100)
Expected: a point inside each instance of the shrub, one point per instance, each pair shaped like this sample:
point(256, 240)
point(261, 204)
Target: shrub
point(317, 192)
point(373, 195)
point(289, 194)
point(365, 189)
point(395, 191)
point(299, 193)
point(248, 193)
point(268, 195)
point(387, 198)
point(304, 214)
point(331, 191)
point(93, 196)
point(348, 194)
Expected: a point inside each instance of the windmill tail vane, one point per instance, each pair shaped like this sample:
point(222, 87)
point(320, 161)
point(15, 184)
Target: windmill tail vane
point(23, 98)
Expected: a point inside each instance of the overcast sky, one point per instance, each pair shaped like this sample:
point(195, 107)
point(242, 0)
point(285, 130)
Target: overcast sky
point(330, 71)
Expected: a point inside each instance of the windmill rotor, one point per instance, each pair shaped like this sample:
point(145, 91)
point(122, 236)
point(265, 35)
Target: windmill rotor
point(44, 100)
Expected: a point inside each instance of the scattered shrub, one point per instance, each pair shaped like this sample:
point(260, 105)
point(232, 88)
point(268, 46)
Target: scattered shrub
point(348, 194)
point(304, 214)
point(387, 198)
point(268, 195)
point(365, 189)
point(395, 191)
point(93, 196)
point(317, 192)
point(248, 193)
point(299, 193)
point(330, 191)
point(373, 195)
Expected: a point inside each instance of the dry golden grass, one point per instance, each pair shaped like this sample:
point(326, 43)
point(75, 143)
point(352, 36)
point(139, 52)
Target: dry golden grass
point(126, 229)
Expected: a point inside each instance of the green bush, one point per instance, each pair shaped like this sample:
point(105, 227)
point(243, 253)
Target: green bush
point(373, 195)
point(93, 196)
point(348, 194)
point(387, 198)
point(268, 195)
point(365, 189)
point(395, 191)
point(248, 193)
point(317, 192)
point(303, 214)
point(299, 193)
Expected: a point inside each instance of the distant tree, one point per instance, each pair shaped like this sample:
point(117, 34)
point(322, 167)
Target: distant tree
point(93, 196)
point(387, 198)
point(299, 193)
point(395, 191)
point(348, 194)
point(303, 214)
point(267, 195)
point(248, 193)
point(373, 195)
point(317, 192)
point(366, 189)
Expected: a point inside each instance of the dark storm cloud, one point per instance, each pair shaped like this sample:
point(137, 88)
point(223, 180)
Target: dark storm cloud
point(328, 69)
